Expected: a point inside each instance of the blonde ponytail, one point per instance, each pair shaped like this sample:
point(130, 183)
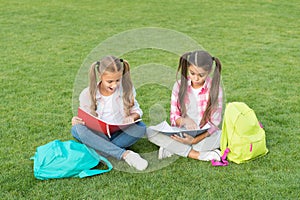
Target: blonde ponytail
point(93, 87)
point(128, 98)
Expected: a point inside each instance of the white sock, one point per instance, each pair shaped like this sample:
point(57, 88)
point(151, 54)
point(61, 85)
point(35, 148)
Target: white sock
point(133, 159)
point(209, 155)
point(164, 153)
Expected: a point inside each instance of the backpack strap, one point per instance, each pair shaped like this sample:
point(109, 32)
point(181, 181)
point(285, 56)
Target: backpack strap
point(223, 161)
point(92, 172)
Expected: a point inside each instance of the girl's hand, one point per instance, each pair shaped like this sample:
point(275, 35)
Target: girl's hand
point(128, 119)
point(77, 120)
point(187, 139)
point(189, 124)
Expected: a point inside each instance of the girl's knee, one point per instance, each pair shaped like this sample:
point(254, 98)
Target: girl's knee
point(141, 129)
point(150, 133)
point(141, 124)
point(76, 131)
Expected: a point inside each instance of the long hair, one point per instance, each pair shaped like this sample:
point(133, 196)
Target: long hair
point(204, 60)
point(111, 64)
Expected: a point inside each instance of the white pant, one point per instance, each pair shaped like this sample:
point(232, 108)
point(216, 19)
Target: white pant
point(207, 144)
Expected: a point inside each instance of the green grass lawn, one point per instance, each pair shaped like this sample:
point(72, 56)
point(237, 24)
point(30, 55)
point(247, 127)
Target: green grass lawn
point(44, 43)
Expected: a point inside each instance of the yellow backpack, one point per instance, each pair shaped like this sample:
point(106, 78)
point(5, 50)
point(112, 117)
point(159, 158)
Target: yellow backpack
point(242, 133)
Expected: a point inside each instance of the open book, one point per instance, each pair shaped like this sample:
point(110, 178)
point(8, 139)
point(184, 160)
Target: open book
point(165, 128)
point(99, 125)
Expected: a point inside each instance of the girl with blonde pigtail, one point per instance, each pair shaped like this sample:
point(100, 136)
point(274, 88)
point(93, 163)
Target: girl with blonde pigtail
point(111, 99)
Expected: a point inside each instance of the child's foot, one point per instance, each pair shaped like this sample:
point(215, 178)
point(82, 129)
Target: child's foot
point(210, 155)
point(219, 154)
point(135, 160)
point(164, 153)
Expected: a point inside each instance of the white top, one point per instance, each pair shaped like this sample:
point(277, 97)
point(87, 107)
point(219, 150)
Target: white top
point(109, 108)
point(108, 113)
point(192, 109)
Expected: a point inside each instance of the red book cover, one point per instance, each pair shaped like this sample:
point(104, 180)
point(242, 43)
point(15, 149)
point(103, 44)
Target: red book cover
point(99, 125)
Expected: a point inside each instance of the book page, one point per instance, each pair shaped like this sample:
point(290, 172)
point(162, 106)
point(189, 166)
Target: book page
point(165, 128)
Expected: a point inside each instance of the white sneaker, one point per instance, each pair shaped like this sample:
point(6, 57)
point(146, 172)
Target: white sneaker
point(164, 153)
point(210, 155)
point(135, 160)
point(219, 154)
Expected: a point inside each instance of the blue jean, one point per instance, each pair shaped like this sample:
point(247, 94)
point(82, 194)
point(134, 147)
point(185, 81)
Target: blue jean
point(114, 146)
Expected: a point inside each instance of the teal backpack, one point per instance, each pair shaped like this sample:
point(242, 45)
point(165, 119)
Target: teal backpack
point(58, 159)
point(242, 134)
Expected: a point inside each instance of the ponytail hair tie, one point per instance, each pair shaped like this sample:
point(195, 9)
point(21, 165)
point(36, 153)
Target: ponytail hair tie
point(121, 60)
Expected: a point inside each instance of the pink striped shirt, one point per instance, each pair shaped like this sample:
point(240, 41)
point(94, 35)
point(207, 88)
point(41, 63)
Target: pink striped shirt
point(203, 97)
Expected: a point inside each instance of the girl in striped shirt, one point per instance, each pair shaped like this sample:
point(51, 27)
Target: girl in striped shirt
point(196, 101)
